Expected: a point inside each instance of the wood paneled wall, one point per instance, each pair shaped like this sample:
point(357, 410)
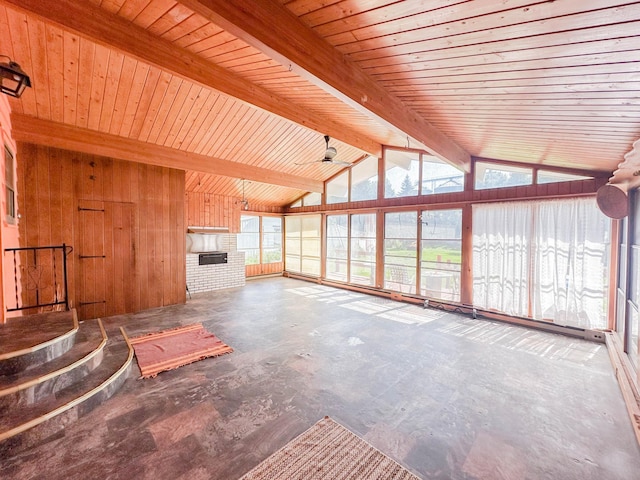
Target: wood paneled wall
point(210, 210)
point(264, 269)
point(53, 184)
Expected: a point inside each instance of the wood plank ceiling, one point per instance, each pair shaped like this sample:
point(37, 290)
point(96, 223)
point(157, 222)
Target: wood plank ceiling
point(260, 82)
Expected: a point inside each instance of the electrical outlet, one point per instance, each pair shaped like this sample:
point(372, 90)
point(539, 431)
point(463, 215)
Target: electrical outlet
point(594, 335)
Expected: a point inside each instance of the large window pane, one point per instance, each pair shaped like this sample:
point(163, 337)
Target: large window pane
point(441, 254)
point(311, 199)
point(271, 239)
point(440, 177)
point(338, 188)
point(310, 249)
point(364, 180)
point(337, 247)
point(634, 321)
point(571, 263)
point(249, 239)
point(293, 228)
point(621, 311)
point(401, 173)
point(548, 176)
point(363, 249)
point(633, 295)
point(400, 251)
point(302, 241)
point(501, 249)
point(491, 175)
point(558, 249)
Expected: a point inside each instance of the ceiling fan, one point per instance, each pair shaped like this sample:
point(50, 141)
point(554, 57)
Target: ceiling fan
point(329, 156)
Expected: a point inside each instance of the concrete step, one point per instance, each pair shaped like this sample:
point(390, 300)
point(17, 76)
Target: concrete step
point(36, 383)
point(29, 341)
point(27, 425)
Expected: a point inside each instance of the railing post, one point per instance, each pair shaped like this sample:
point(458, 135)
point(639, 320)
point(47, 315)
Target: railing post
point(64, 266)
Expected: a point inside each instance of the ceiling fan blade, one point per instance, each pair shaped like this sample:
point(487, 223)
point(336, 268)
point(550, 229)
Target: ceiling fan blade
point(341, 162)
point(308, 163)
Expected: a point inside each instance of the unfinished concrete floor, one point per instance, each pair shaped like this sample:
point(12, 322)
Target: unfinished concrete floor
point(447, 396)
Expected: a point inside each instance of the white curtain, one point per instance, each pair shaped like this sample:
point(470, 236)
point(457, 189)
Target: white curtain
point(571, 249)
point(501, 233)
point(547, 260)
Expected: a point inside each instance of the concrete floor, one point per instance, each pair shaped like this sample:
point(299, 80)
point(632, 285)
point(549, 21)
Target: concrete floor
point(447, 396)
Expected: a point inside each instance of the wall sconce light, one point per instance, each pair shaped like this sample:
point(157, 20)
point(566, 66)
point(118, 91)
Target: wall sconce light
point(13, 80)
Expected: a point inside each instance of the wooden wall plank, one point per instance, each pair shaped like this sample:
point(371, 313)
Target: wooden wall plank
point(143, 230)
point(55, 71)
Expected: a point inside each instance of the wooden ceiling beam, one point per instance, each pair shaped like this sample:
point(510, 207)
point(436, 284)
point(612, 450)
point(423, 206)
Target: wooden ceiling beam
point(268, 26)
point(100, 26)
point(45, 132)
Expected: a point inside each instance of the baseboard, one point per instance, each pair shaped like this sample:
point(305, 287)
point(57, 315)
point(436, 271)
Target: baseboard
point(626, 380)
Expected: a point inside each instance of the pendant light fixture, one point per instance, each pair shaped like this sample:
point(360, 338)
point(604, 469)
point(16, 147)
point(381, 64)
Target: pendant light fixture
point(244, 201)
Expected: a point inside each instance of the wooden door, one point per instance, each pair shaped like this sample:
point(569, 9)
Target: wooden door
point(106, 259)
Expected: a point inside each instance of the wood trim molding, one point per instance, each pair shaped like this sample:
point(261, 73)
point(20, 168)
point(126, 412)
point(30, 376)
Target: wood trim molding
point(52, 134)
point(110, 30)
point(628, 385)
point(456, 199)
point(268, 26)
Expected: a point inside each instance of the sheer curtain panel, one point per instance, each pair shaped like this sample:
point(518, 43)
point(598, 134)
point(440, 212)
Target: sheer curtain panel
point(501, 236)
point(571, 263)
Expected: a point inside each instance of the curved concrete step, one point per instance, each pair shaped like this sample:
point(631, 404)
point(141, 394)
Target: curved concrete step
point(29, 341)
point(33, 385)
point(25, 427)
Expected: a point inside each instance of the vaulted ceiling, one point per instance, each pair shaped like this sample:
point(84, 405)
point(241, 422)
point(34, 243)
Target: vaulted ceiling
point(232, 89)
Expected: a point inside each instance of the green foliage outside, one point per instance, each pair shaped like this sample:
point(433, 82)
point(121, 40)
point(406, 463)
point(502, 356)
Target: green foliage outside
point(441, 254)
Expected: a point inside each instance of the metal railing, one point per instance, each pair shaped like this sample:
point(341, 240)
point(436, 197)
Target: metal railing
point(40, 276)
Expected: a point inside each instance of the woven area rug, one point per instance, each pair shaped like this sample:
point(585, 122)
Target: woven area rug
point(328, 451)
point(169, 349)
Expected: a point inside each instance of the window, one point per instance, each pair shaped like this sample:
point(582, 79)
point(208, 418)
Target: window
point(362, 262)
point(401, 173)
point(271, 239)
point(9, 185)
point(556, 251)
point(440, 177)
point(337, 247)
point(312, 199)
point(490, 175)
point(364, 180)
point(338, 188)
point(548, 176)
point(400, 251)
point(621, 293)
point(633, 295)
point(309, 200)
point(292, 242)
point(302, 241)
point(441, 254)
point(310, 251)
point(249, 239)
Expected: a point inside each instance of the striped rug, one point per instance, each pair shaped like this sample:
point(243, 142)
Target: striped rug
point(169, 349)
point(328, 451)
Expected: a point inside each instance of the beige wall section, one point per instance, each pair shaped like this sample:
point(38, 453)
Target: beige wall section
point(9, 235)
point(138, 226)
